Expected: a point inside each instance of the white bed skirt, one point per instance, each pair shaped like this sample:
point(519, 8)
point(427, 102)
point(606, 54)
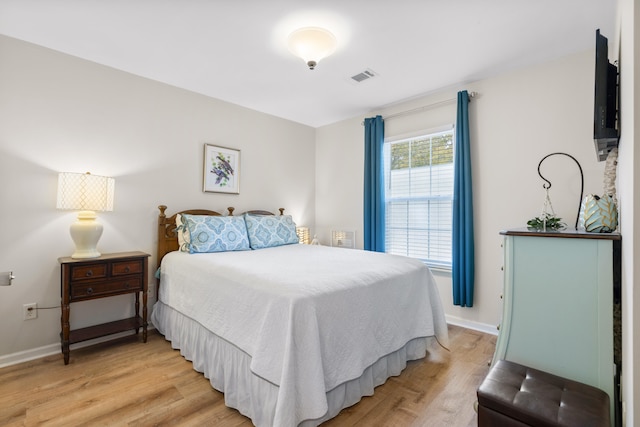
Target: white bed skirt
point(227, 368)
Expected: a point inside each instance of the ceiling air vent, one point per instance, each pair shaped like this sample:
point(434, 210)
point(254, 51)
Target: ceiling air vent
point(363, 76)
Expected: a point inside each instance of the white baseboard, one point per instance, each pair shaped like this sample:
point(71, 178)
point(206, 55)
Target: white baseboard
point(26, 355)
point(476, 326)
point(51, 349)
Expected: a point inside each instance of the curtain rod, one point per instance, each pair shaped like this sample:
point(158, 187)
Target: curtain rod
point(426, 107)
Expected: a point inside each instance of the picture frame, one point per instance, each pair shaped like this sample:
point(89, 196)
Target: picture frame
point(342, 238)
point(221, 169)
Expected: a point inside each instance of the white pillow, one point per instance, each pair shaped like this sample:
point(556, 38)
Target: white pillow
point(183, 234)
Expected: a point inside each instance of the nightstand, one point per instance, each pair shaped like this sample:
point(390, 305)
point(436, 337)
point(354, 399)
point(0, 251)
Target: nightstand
point(105, 276)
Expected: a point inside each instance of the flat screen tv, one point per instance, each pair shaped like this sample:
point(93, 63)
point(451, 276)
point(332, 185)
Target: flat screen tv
point(605, 120)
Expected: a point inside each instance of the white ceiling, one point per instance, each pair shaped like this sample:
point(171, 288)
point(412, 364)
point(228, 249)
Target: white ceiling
point(236, 50)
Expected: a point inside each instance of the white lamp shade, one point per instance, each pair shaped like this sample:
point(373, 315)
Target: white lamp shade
point(86, 193)
point(83, 191)
point(312, 44)
point(303, 235)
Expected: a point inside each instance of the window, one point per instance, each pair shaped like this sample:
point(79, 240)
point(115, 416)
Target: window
point(419, 197)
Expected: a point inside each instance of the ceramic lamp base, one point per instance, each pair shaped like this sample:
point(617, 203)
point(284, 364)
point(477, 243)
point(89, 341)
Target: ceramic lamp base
point(86, 232)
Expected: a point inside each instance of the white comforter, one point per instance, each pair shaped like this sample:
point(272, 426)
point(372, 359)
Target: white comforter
point(310, 317)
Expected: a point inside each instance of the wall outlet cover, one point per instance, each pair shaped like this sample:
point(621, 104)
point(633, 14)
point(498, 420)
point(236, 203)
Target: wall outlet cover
point(30, 311)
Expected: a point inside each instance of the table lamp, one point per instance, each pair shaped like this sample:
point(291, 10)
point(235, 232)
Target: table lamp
point(85, 193)
point(303, 235)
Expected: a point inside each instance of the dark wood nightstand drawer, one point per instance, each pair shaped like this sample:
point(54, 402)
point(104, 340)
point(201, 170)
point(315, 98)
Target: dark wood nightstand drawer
point(126, 267)
point(88, 271)
point(82, 291)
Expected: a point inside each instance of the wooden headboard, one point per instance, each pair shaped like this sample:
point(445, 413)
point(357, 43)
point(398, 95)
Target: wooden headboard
point(167, 236)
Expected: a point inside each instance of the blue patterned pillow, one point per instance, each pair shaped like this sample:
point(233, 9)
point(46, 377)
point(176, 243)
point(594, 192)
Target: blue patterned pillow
point(268, 231)
point(216, 233)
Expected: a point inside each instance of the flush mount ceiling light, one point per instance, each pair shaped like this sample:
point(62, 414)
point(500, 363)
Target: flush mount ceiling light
point(312, 44)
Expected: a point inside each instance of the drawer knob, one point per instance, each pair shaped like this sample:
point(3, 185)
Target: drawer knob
point(89, 291)
point(127, 285)
point(127, 269)
point(89, 273)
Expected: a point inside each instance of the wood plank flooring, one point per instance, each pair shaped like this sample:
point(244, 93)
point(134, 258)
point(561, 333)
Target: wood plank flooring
point(127, 383)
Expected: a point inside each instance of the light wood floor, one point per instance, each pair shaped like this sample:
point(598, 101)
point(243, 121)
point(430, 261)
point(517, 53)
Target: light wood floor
point(128, 383)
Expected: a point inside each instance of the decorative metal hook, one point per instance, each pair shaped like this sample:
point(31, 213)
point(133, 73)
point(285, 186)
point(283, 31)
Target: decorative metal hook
point(548, 183)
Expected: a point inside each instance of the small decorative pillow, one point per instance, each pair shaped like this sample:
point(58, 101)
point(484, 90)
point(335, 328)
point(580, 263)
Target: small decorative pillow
point(183, 234)
point(216, 233)
point(268, 231)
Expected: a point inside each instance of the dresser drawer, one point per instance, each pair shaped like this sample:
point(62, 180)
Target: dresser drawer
point(80, 291)
point(88, 271)
point(126, 267)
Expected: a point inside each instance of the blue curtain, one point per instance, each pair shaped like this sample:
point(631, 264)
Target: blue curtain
point(463, 264)
point(374, 208)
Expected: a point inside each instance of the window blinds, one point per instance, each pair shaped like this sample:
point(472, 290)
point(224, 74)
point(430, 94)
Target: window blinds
point(419, 197)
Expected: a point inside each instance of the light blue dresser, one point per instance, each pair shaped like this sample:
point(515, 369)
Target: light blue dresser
point(559, 301)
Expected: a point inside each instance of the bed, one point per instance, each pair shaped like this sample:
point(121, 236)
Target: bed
point(290, 333)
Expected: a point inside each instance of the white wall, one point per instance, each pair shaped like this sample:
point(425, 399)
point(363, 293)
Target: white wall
point(516, 120)
point(59, 113)
point(339, 160)
point(628, 181)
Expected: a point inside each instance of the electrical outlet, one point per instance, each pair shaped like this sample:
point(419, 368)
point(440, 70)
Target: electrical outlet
point(151, 290)
point(30, 311)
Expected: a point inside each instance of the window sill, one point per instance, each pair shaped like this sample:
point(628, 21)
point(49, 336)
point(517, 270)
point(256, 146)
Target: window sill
point(439, 268)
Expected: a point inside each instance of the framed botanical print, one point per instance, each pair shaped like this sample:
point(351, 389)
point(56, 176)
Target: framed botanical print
point(221, 169)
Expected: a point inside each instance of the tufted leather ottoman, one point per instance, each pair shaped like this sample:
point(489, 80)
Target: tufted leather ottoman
point(515, 395)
